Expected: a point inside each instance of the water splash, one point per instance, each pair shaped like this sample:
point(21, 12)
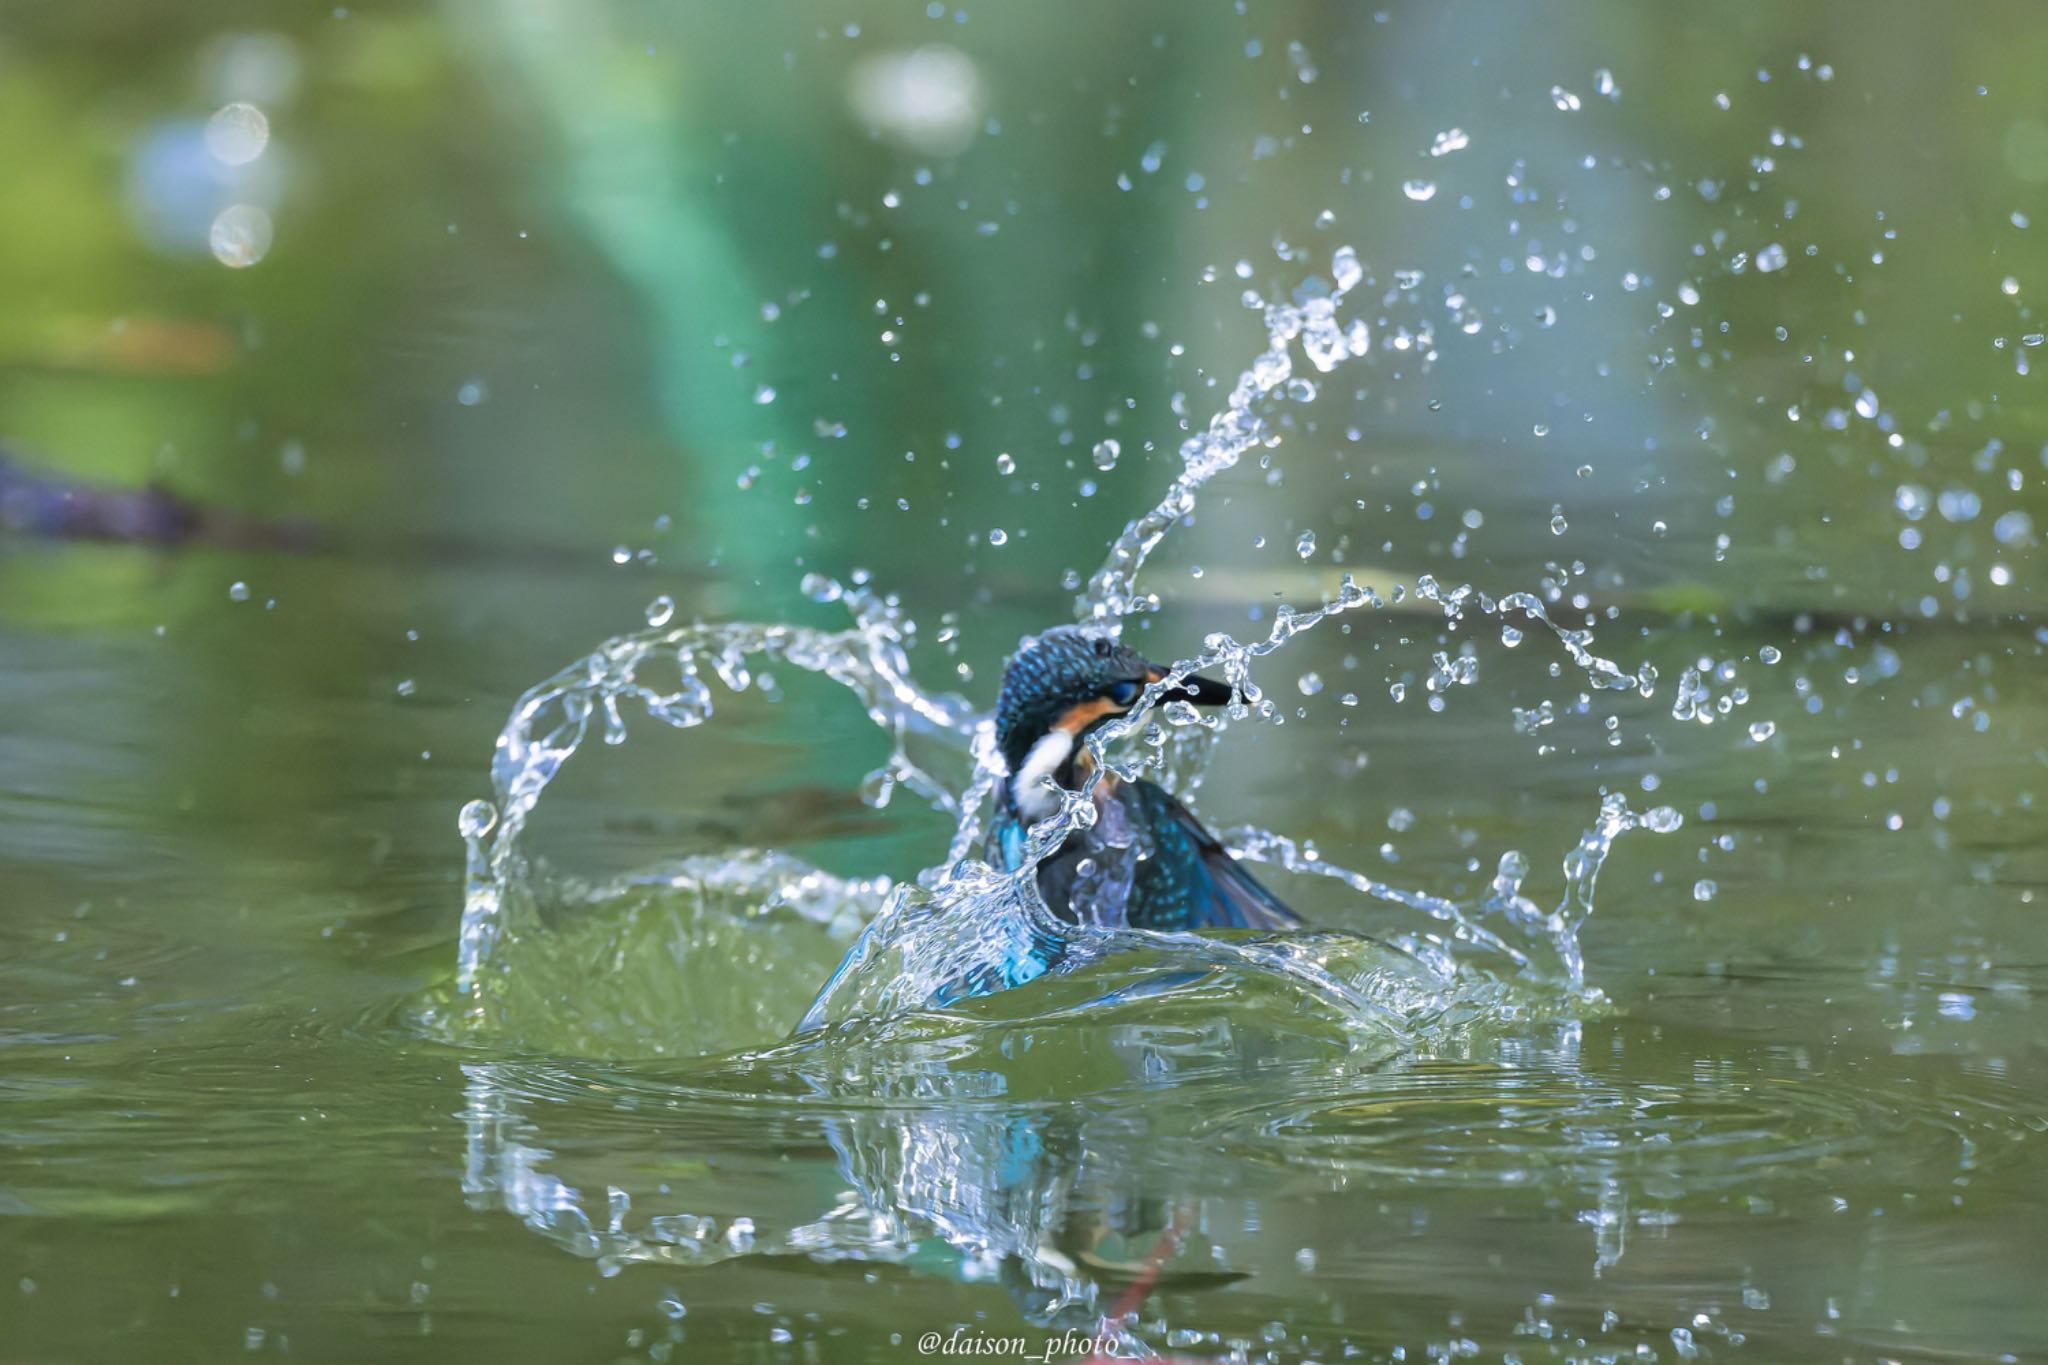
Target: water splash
point(1157, 1015)
point(662, 672)
point(1240, 427)
point(961, 916)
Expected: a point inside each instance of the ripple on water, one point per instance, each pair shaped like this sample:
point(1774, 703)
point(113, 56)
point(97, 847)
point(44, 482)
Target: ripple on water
point(1462, 1123)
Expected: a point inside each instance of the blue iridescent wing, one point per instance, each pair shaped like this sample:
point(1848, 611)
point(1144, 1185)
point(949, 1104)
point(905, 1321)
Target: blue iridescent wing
point(1191, 881)
point(1015, 962)
point(1007, 841)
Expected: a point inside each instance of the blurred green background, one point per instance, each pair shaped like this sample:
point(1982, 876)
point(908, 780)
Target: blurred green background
point(514, 316)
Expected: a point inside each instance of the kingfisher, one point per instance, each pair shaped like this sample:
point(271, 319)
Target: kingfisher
point(1147, 862)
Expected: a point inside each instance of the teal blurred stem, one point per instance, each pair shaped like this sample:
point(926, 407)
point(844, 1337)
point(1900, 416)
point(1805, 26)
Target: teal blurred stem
point(625, 170)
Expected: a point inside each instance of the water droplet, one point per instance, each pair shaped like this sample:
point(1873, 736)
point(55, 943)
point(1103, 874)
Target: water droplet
point(764, 395)
point(1400, 819)
point(998, 536)
point(1662, 819)
point(1309, 684)
point(1448, 141)
point(819, 588)
point(1769, 654)
point(240, 236)
point(1106, 452)
point(237, 134)
point(1344, 266)
point(1005, 465)
point(1558, 525)
point(472, 392)
point(1704, 889)
point(661, 610)
point(1761, 730)
point(1771, 258)
point(238, 591)
point(1421, 191)
point(1564, 99)
point(1306, 546)
point(1866, 405)
point(1958, 504)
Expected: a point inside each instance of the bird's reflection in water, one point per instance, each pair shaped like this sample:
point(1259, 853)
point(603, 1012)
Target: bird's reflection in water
point(1056, 1161)
point(1059, 1208)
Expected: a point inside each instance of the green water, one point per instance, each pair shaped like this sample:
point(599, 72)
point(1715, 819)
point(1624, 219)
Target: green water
point(512, 321)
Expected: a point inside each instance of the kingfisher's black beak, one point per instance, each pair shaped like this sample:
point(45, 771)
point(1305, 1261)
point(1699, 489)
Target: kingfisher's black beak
point(1198, 689)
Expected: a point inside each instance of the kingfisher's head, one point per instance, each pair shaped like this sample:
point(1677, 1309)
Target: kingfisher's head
point(1063, 684)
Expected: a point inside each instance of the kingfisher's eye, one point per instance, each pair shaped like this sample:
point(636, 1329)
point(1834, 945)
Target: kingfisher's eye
point(1125, 692)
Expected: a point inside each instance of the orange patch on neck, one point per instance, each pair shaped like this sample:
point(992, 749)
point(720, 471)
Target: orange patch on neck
point(1079, 718)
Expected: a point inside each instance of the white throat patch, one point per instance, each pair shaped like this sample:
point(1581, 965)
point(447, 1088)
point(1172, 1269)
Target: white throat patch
point(1028, 791)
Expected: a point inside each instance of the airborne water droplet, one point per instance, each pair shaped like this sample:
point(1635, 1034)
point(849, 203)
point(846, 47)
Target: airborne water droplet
point(240, 236)
point(1704, 889)
point(1306, 546)
point(998, 536)
point(1421, 191)
point(1448, 141)
point(237, 134)
point(1106, 453)
point(1344, 266)
point(477, 819)
point(1662, 819)
point(661, 610)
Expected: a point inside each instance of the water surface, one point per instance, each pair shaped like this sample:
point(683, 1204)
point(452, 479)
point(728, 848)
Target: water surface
point(1798, 1115)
